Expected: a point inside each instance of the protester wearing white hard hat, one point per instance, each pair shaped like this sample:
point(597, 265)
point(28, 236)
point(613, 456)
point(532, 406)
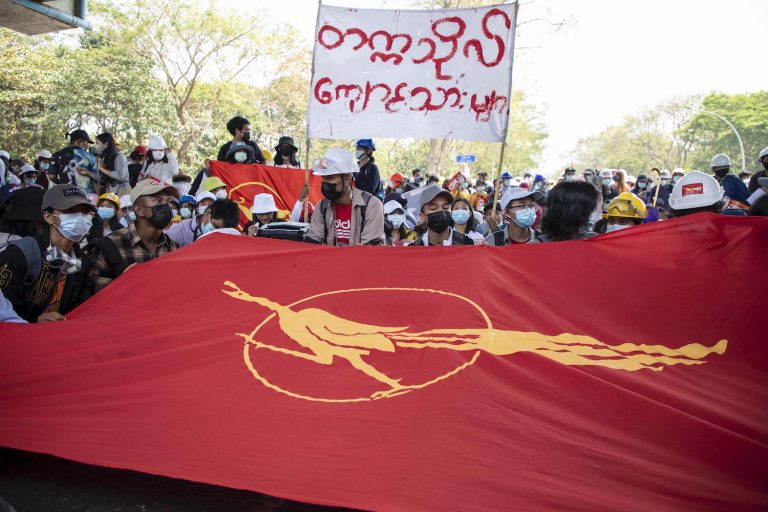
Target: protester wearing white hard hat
point(28, 175)
point(189, 230)
point(160, 163)
point(762, 159)
point(735, 189)
point(696, 192)
point(347, 216)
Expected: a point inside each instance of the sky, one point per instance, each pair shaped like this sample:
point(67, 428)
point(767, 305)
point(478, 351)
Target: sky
point(612, 59)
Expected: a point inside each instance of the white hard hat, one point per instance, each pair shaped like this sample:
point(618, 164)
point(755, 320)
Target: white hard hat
point(156, 142)
point(335, 161)
point(720, 160)
point(678, 170)
point(664, 173)
point(264, 203)
point(392, 206)
point(125, 201)
point(763, 152)
point(695, 190)
point(606, 173)
point(44, 154)
point(5, 154)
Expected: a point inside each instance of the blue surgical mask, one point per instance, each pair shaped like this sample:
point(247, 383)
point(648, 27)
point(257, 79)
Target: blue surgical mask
point(397, 220)
point(241, 156)
point(74, 226)
point(460, 217)
point(132, 215)
point(186, 213)
point(359, 154)
point(201, 209)
point(106, 213)
point(44, 166)
point(525, 217)
point(207, 228)
point(607, 182)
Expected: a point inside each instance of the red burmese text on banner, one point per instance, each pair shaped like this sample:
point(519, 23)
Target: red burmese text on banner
point(244, 181)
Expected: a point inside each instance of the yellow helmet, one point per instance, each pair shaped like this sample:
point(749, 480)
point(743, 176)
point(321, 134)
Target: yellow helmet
point(626, 205)
point(267, 155)
point(109, 196)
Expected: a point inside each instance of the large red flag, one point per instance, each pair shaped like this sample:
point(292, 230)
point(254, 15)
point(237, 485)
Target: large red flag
point(244, 181)
point(628, 372)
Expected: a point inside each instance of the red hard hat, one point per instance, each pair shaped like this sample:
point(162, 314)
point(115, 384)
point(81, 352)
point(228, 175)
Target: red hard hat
point(397, 177)
point(142, 150)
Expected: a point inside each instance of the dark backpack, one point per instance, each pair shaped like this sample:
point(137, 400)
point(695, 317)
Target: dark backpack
point(31, 251)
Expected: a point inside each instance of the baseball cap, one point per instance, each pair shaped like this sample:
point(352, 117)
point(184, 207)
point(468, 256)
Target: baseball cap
point(80, 134)
point(44, 154)
point(431, 192)
point(64, 197)
point(519, 193)
point(150, 187)
point(27, 168)
point(391, 206)
point(142, 150)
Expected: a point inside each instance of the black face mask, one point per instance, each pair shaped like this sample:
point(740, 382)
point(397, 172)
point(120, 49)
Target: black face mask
point(246, 136)
point(439, 221)
point(330, 192)
point(286, 151)
point(720, 173)
point(161, 216)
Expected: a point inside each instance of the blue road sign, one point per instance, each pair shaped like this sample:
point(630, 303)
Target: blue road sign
point(466, 159)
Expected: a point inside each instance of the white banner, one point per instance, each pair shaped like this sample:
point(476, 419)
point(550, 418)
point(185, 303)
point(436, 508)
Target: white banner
point(412, 74)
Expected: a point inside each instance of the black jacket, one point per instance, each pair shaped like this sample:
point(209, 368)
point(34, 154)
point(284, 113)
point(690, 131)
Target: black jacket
point(30, 302)
point(368, 179)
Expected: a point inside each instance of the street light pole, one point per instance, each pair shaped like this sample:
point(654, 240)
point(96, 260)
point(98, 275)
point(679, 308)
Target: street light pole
point(741, 144)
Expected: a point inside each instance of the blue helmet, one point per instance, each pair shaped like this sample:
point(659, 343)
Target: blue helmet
point(506, 175)
point(187, 199)
point(366, 143)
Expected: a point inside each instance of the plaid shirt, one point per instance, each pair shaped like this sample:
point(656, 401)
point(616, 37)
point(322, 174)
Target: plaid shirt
point(130, 248)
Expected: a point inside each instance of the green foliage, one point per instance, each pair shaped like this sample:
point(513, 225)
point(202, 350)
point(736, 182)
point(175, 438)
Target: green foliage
point(678, 133)
point(749, 115)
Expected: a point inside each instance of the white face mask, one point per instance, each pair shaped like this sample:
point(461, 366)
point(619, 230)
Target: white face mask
point(158, 154)
point(221, 194)
point(241, 157)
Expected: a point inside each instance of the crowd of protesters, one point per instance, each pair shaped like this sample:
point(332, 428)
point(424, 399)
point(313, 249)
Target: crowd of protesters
point(73, 221)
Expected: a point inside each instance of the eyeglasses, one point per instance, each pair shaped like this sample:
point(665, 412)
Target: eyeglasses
point(519, 207)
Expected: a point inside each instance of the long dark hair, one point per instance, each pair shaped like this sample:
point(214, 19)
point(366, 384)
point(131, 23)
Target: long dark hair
point(110, 152)
point(569, 205)
point(292, 159)
point(471, 221)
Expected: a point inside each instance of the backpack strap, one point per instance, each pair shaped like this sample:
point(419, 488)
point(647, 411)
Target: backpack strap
point(31, 251)
point(324, 209)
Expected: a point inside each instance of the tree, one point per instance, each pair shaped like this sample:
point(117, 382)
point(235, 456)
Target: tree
point(749, 115)
point(677, 133)
point(26, 80)
point(190, 45)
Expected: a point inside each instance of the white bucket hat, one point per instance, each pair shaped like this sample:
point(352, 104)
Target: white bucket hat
point(263, 203)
